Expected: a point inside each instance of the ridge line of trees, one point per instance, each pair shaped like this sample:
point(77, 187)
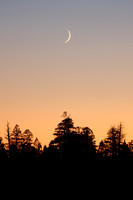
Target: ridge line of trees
point(70, 144)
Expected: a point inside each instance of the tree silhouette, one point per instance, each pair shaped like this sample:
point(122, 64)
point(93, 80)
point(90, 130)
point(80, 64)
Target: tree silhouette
point(71, 144)
point(27, 139)
point(115, 139)
point(103, 150)
point(88, 140)
point(112, 146)
point(120, 136)
point(124, 151)
point(8, 136)
point(37, 145)
point(27, 148)
point(64, 128)
point(16, 137)
point(130, 144)
point(3, 154)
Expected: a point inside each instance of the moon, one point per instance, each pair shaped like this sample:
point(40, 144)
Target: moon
point(69, 37)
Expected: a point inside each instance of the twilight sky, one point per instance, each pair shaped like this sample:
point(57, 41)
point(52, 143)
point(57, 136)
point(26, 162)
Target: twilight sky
point(91, 77)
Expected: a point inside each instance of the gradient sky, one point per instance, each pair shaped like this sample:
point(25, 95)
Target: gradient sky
point(91, 77)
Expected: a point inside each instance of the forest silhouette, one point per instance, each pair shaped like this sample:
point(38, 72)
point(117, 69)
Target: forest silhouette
point(70, 144)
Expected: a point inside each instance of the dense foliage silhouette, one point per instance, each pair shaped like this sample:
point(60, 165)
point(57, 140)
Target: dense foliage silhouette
point(70, 144)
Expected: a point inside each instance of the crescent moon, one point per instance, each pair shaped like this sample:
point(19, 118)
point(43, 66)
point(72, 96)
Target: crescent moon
point(69, 37)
